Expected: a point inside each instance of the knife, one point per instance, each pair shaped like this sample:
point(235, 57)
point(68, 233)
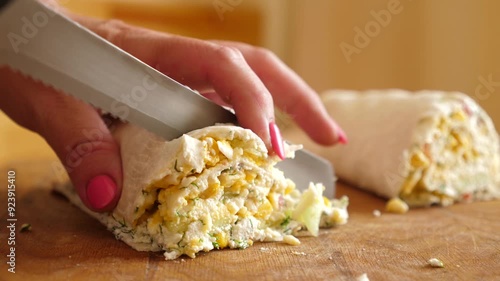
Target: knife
point(49, 47)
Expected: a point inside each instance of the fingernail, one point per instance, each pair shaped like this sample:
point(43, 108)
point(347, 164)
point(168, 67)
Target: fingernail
point(342, 136)
point(276, 140)
point(101, 191)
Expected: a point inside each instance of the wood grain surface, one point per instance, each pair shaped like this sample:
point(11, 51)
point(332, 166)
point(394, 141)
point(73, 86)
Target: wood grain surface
point(66, 244)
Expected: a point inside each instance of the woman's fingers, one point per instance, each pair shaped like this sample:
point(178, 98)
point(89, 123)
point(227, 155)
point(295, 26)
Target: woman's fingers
point(213, 96)
point(204, 66)
point(242, 75)
point(291, 94)
point(74, 130)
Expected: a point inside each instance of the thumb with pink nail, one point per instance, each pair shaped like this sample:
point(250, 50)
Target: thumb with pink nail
point(75, 131)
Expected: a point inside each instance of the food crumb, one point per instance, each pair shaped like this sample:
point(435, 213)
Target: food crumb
point(376, 213)
point(363, 277)
point(330, 258)
point(298, 253)
point(267, 250)
point(291, 240)
point(397, 206)
point(25, 227)
point(435, 263)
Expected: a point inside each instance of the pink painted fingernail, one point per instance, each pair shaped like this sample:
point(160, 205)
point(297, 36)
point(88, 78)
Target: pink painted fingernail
point(101, 191)
point(277, 140)
point(342, 136)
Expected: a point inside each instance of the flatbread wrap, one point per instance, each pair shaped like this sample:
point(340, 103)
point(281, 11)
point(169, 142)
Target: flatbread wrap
point(427, 147)
point(212, 188)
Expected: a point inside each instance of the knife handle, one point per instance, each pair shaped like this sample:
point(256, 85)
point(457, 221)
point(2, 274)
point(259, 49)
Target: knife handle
point(3, 3)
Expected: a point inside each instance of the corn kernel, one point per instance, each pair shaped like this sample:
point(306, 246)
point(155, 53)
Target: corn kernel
point(243, 212)
point(274, 199)
point(291, 240)
point(211, 191)
point(396, 205)
point(250, 176)
point(411, 181)
point(264, 210)
point(462, 140)
point(190, 253)
point(419, 160)
point(237, 186)
point(227, 180)
point(289, 188)
point(194, 242)
point(221, 239)
point(458, 115)
point(232, 208)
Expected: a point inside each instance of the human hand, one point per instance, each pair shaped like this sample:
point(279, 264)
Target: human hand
point(236, 74)
point(249, 79)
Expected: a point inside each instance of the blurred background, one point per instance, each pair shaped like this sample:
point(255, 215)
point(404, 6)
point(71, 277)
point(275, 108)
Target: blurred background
point(364, 44)
point(425, 44)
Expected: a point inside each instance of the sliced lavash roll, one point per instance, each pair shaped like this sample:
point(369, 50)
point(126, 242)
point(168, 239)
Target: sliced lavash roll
point(428, 147)
point(209, 189)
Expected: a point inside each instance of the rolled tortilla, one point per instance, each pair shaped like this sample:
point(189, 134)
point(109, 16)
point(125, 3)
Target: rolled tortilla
point(427, 148)
point(212, 188)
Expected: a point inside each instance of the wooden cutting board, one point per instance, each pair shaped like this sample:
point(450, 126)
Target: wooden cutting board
point(66, 244)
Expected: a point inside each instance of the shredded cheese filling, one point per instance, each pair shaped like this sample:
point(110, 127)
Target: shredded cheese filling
point(238, 197)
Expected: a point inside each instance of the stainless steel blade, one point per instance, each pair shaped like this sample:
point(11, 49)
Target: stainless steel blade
point(307, 167)
point(59, 52)
point(69, 57)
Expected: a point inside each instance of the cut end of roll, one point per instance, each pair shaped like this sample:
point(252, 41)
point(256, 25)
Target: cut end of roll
point(217, 188)
point(455, 156)
point(426, 147)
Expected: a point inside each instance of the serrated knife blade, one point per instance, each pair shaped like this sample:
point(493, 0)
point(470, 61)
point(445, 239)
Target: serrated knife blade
point(43, 44)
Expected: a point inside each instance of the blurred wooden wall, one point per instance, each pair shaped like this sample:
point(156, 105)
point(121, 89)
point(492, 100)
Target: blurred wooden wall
point(446, 45)
point(426, 44)
point(257, 22)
